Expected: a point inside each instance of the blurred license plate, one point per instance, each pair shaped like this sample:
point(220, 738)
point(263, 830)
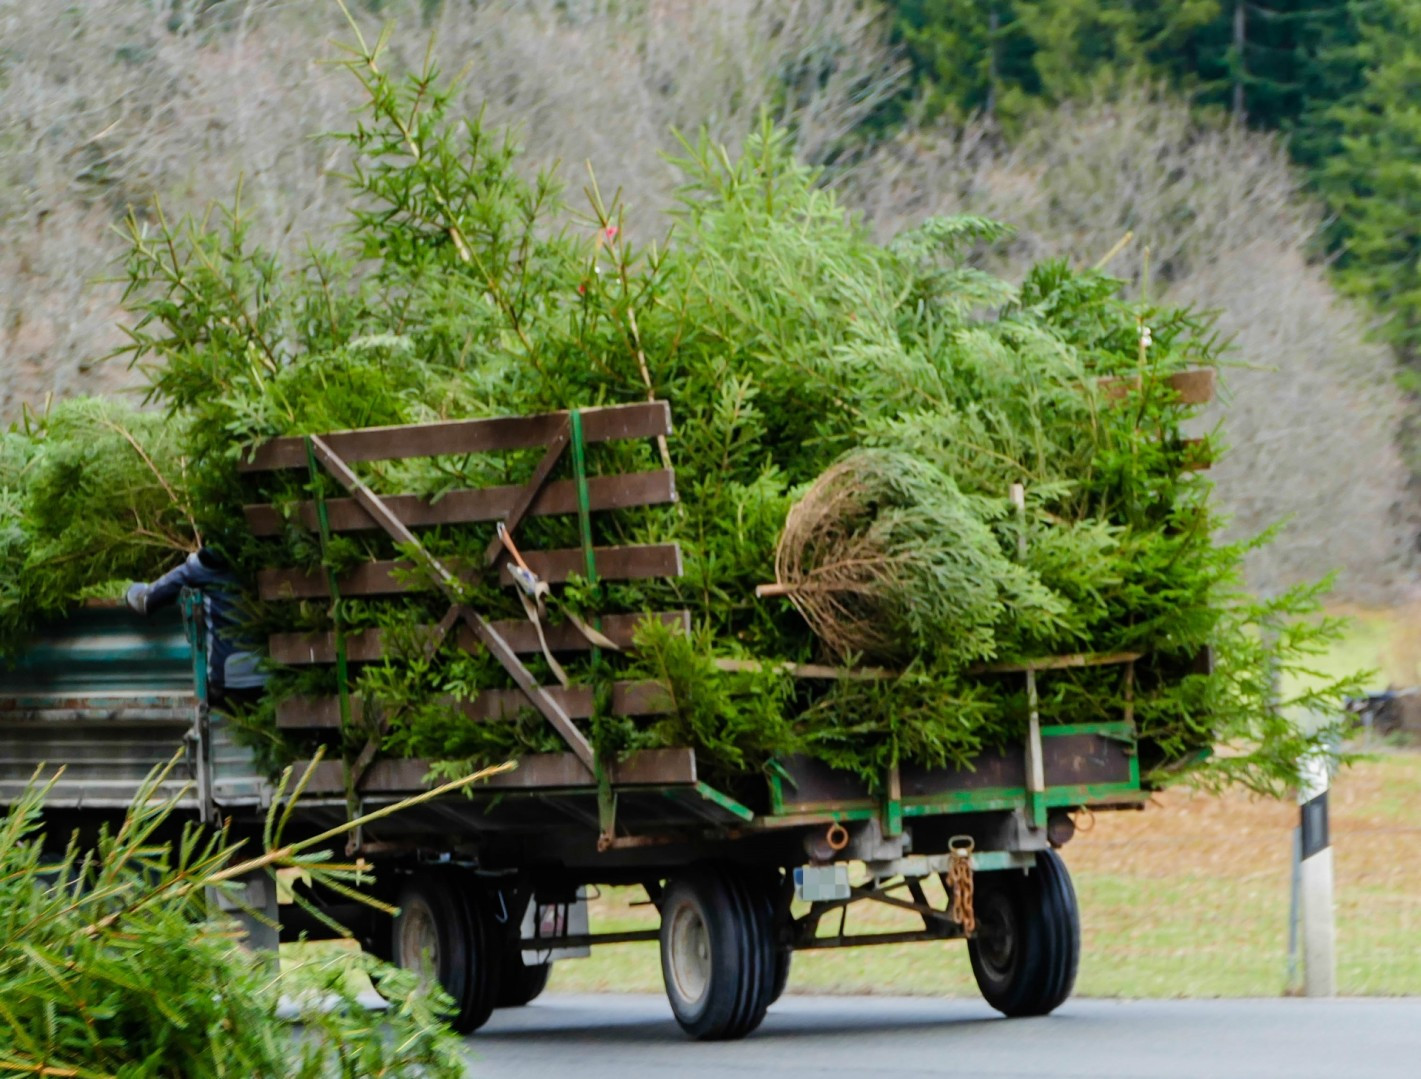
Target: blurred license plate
point(821, 883)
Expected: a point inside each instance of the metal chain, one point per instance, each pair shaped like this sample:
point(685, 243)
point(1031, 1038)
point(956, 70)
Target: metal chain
point(959, 882)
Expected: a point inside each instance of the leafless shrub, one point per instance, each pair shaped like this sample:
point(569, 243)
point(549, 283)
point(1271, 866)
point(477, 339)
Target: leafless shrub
point(607, 82)
point(111, 104)
point(1309, 412)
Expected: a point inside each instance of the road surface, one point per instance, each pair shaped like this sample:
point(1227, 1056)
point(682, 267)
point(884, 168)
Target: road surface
point(625, 1037)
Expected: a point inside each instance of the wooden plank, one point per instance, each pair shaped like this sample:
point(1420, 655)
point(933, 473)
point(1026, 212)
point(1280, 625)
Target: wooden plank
point(1198, 454)
point(450, 585)
point(623, 491)
point(650, 767)
point(1194, 387)
point(647, 419)
point(635, 562)
point(628, 699)
point(1057, 663)
point(308, 649)
point(395, 577)
point(812, 671)
point(821, 671)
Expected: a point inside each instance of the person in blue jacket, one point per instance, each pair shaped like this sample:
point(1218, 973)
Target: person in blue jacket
point(234, 672)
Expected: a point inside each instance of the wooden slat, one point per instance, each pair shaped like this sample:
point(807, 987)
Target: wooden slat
point(650, 767)
point(472, 506)
point(1058, 663)
point(631, 563)
point(1194, 387)
point(389, 578)
point(643, 420)
point(628, 699)
point(1197, 454)
point(308, 649)
point(813, 671)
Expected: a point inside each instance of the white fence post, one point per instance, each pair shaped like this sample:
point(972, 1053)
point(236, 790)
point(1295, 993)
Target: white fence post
point(1318, 915)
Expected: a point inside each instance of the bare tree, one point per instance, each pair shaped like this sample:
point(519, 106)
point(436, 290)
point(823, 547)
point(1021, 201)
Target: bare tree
point(113, 104)
point(609, 83)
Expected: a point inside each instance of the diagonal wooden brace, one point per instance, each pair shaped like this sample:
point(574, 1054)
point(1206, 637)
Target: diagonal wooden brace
point(452, 588)
point(535, 483)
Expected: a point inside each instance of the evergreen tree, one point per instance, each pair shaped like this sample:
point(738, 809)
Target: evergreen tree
point(951, 47)
point(1373, 183)
point(1004, 55)
point(1078, 43)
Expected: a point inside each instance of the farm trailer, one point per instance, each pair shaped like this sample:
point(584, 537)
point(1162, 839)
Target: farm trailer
point(491, 882)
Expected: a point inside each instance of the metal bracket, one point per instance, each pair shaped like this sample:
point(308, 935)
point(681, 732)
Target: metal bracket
point(606, 810)
point(893, 803)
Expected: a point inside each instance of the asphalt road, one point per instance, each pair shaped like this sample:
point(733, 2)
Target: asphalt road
point(624, 1037)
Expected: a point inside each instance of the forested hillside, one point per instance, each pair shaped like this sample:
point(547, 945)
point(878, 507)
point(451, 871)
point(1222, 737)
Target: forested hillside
point(1254, 159)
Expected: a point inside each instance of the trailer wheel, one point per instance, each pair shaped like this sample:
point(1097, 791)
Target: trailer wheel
point(445, 929)
point(717, 954)
point(1027, 946)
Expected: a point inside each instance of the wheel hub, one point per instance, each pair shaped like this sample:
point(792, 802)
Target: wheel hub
point(690, 958)
point(419, 941)
point(996, 937)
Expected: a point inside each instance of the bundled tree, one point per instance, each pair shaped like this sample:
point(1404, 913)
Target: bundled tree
point(93, 493)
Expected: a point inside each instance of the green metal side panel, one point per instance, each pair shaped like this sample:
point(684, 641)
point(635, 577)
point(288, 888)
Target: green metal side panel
point(980, 800)
point(101, 651)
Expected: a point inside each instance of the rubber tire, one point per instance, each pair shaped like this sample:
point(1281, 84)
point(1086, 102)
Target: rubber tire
point(741, 958)
point(781, 978)
point(767, 888)
point(1036, 971)
point(468, 957)
point(521, 984)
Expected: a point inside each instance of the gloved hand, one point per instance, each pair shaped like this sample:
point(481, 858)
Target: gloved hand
point(137, 597)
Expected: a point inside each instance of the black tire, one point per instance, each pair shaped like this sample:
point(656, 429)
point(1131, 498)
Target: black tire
point(781, 979)
point(768, 891)
point(446, 928)
point(521, 984)
point(1028, 941)
point(717, 953)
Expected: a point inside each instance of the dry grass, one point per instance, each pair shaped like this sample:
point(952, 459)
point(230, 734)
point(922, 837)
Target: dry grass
point(1189, 898)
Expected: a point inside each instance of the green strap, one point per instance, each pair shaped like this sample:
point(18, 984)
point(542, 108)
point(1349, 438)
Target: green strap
point(584, 501)
point(606, 796)
point(324, 521)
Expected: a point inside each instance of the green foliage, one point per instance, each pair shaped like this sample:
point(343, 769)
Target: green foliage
point(784, 337)
point(93, 493)
point(111, 965)
point(1009, 56)
point(741, 717)
point(888, 560)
